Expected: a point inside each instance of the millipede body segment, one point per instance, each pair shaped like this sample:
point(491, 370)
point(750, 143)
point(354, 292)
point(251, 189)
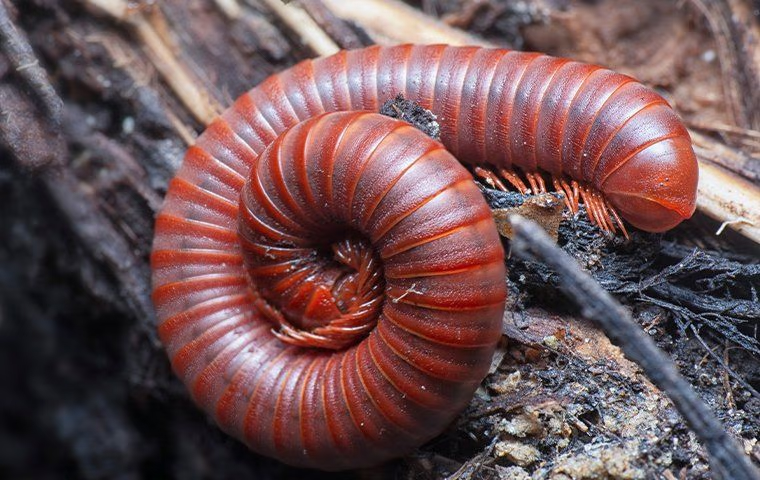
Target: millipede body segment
point(330, 286)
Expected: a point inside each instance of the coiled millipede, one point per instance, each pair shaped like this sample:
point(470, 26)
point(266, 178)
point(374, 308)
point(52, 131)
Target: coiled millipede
point(330, 286)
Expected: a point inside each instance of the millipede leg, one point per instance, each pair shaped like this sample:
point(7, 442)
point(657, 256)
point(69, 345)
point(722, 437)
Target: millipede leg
point(536, 182)
point(617, 218)
point(591, 207)
point(600, 212)
point(589, 210)
point(575, 187)
point(532, 183)
point(604, 218)
point(359, 289)
point(282, 329)
point(490, 178)
point(271, 314)
point(571, 201)
point(514, 180)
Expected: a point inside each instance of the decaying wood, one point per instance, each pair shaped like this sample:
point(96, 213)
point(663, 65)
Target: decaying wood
point(196, 100)
point(534, 327)
point(726, 457)
point(307, 29)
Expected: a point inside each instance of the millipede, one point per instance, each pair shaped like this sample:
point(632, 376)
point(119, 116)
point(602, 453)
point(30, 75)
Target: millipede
point(329, 282)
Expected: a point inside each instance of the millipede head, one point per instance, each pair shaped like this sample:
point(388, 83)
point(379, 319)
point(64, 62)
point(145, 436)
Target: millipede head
point(657, 188)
